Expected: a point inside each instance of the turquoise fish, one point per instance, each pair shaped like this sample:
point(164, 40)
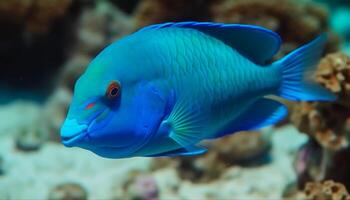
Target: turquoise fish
point(163, 89)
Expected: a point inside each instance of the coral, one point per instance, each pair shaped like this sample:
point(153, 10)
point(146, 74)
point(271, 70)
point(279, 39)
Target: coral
point(287, 17)
point(328, 123)
point(327, 190)
point(142, 187)
point(37, 15)
point(68, 191)
point(334, 73)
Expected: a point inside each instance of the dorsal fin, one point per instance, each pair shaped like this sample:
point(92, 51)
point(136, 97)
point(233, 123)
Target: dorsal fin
point(256, 43)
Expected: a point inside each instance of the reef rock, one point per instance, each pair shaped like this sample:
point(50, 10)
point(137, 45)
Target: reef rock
point(30, 138)
point(68, 191)
point(141, 186)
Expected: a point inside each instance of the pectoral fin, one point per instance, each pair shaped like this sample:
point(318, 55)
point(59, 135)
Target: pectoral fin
point(186, 123)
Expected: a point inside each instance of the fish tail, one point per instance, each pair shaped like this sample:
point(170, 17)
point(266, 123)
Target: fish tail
point(296, 69)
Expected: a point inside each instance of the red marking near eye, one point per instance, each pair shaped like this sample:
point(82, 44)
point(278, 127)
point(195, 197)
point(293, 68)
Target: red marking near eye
point(90, 105)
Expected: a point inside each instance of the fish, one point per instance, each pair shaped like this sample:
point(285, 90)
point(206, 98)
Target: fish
point(165, 88)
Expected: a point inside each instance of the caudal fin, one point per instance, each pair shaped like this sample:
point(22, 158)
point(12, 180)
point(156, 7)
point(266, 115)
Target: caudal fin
point(296, 69)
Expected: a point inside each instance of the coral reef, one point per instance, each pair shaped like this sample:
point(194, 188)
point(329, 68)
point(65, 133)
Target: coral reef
point(68, 191)
point(327, 190)
point(328, 123)
point(36, 15)
point(247, 165)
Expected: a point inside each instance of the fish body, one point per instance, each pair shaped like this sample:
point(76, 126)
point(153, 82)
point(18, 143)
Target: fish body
point(163, 89)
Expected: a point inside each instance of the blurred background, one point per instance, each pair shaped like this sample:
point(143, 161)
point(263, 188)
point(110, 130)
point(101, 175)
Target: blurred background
point(46, 44)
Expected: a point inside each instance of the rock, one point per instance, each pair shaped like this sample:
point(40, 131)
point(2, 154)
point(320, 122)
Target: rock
point(30, 139)
point(68, 191)
point(142, 187)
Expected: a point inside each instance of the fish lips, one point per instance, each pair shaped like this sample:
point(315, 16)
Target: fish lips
point(72, 132)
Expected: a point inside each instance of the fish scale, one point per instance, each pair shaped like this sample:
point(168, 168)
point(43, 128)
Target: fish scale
point(217, 66)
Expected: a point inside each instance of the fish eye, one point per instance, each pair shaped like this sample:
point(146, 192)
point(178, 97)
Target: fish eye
point(113, 90)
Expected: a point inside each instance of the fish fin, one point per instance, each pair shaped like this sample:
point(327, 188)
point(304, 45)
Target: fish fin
point(296, 68)
point(254, 42)
point(262, 113)
point(185, 123)
point(195, 150)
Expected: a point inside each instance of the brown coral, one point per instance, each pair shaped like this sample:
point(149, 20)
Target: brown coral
point(37, 15)
point(327, 190)
point(328, 123)
point(334, 73)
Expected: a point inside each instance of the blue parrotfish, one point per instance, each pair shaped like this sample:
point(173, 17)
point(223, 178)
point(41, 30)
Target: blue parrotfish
point(163, 89)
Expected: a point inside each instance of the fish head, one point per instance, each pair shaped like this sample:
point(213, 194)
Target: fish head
point(112, 117)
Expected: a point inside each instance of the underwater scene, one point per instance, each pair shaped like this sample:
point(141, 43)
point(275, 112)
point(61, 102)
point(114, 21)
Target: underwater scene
point(175, 99)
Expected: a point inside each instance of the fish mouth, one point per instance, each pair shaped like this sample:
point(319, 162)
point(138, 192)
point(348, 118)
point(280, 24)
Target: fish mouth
point(72, 132)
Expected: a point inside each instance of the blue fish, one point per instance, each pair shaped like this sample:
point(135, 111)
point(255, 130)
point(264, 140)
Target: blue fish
point(163, 89)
